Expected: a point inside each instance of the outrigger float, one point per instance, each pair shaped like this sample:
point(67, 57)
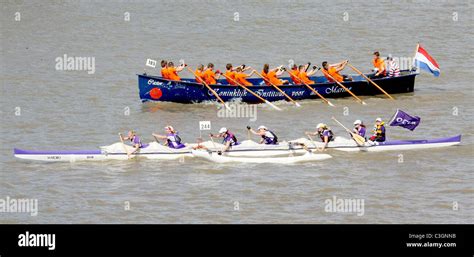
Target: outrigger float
point(155, 88)
point(247, 151)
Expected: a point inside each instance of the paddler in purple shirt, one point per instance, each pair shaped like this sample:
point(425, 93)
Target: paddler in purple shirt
point(229, 139)
point(134, 139)
point(378, 131)
point(268, 137)
point(359, 128)
point(172, 138)
point(325, 134)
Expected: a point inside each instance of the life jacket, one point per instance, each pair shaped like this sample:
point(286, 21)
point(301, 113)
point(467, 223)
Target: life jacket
point(361, 132)
point(379, 132)
point(230, 74)
point(294, 75)
point(174, 141)
point(379, 63)
point(270, 138)
point(330, 137)
point(136, 140)
point(272, 77)
point(210, 77)
point(230, 137)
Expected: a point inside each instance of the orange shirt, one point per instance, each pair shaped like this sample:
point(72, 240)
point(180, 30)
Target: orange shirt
point(274, 79)
point(173, 74)
point(199, 76)
point(304, 78)
point(164, 73)
point(265, 75)
point(210, 77)
point(230, 74)
point(333, 72)
point(380, 65)
point(241, 78)
point(294, 75)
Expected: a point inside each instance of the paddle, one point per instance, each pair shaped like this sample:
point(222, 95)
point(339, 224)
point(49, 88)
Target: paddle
point(345, 88)
point(281, 91)
point(312, 89)
point(124, 147)
point(253, 93)
point(357, 138)
point(312, 142)
point(210, 89)
point(371, 81)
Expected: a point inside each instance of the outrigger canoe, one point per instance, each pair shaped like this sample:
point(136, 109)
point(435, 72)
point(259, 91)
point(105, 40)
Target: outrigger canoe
point(348, 145)
point(245, 149)
point(215, 157)
point(155, 88)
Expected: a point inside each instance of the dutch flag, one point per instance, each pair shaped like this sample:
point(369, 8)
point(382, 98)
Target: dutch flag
point(425, 61)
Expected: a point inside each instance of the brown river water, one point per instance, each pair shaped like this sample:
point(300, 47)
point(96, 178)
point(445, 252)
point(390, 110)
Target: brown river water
point(48, 109)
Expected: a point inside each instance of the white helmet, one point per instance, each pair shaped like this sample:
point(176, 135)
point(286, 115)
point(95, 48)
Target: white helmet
point(378, 119)
point(321, 125)
point(223, 130)
point(170, 128)
point(357, 122)
point(262, 127)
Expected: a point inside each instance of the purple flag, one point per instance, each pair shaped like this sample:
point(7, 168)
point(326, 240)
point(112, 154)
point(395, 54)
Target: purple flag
point(402, 119)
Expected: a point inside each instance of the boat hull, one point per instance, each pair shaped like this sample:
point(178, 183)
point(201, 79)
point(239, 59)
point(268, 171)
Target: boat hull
point(153, 88)
point(214, 157)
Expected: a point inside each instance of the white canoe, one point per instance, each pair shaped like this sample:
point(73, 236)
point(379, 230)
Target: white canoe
point(214, 157)
point(348, 145)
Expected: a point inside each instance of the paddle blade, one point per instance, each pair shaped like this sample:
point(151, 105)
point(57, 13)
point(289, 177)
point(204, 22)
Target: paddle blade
point(330, 104)
point(364, 103)
point(297, 104)
point(273, 106)
point(358, 139)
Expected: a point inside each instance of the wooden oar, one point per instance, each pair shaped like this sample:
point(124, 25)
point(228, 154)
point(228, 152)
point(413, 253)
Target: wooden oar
point(371, 81)
point(212, 90)
point(281, 91)
point(312, 89)
point(347, 89)
point(357, 138)
point(253, 93)
point(123, 145)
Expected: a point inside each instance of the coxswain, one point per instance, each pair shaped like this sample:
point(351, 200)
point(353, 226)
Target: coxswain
point(333, 70)
point(325, 134)
point(228, 141)
point(173, 71)
point(378, 131)
point(379, 65)
point(268, 137)
point(172, 138)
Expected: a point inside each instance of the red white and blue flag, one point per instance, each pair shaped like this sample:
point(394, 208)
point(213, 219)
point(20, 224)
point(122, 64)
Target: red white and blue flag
point(424, 61)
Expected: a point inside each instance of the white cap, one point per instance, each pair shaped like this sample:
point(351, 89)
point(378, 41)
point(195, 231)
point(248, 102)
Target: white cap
point(262, 127)
point(169, 127)
point(357, 122)
point(223, 130)
point(378, 119)
point(321, 125)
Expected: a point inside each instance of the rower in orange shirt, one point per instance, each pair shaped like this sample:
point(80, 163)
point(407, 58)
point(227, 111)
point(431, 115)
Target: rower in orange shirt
point(199, 74)
point(164, 69)
point(379, 65)
point(241, 77)
point(173, 71)
point(304, 75)
point(271, 76)
point(333, 70)
point(210, 76)
point(294, 72)
point(230, 74)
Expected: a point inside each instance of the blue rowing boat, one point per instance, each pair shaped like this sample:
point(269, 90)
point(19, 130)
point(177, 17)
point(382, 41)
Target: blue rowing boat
point(155, 88)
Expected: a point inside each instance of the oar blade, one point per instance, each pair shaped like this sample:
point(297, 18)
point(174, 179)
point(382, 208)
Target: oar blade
point(273, 106)
point(330, 104)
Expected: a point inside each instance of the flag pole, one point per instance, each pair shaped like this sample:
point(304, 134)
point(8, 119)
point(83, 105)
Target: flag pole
point(414, 56)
